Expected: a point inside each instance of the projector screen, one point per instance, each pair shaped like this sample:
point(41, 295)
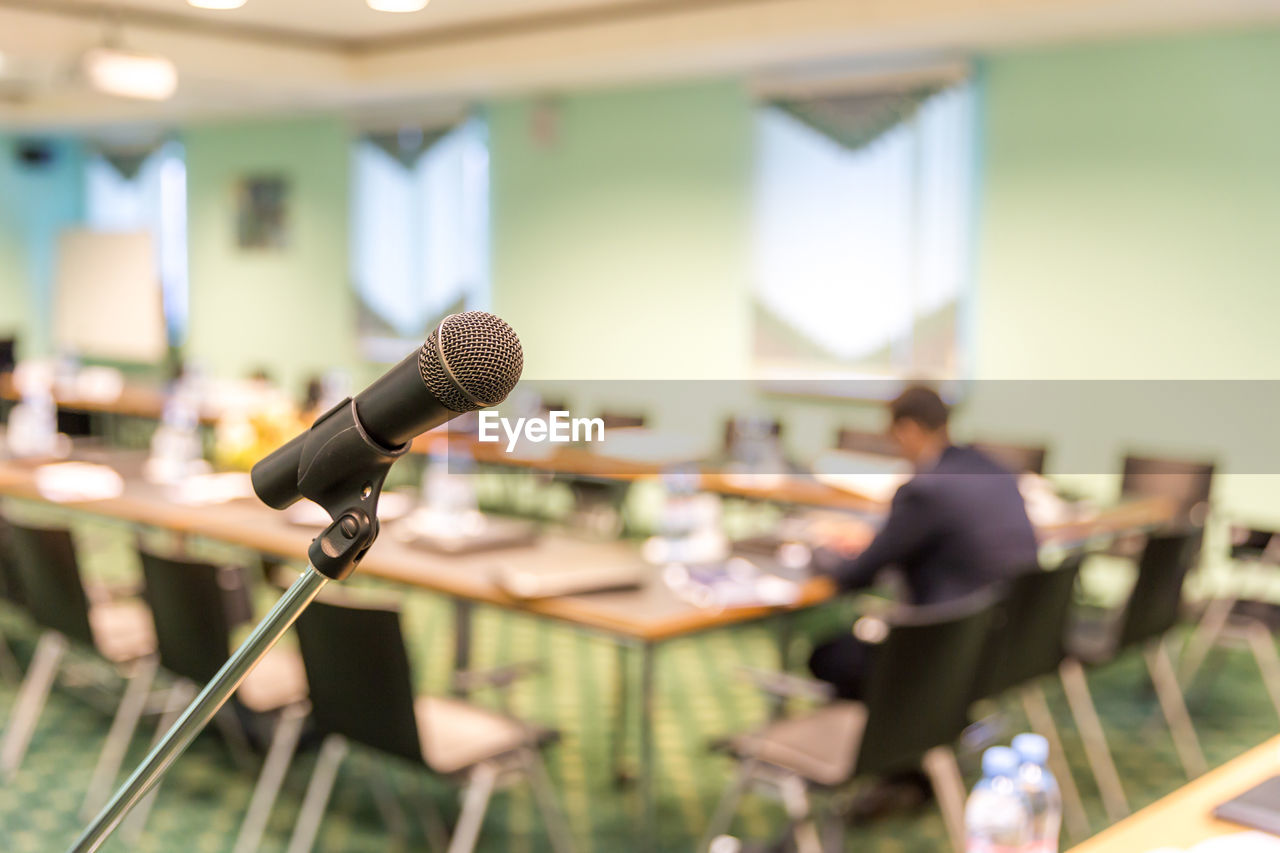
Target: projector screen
point(108, 301)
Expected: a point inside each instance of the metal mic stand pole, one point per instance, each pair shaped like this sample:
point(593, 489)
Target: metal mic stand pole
point(202, 709)
point(338, 465)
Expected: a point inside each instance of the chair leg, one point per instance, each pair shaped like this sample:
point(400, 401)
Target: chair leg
point(284, 740)
point(722, 817)
point(232, 731)
point(123, 726)
point(1041, 719)
point(433, 826)
point(386, 801)
point(1076, 687)
point(136, 823)
point(795, 798)
point(1169, 693)
point(948, 786)
point(544, 795)
point(1203, 638)
point(30, 701)
point(1263, 646)
point(475, 802)
point(332, 753)
point(9, 669)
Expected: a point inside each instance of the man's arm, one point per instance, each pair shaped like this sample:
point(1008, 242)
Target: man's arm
point(909, 528)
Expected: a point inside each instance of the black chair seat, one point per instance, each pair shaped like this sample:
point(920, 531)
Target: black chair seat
point(820, 746)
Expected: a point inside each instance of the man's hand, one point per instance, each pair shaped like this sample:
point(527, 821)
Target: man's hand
point(847, 537)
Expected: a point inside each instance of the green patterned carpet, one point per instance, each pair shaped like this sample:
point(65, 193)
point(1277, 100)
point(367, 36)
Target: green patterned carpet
point(202, 800)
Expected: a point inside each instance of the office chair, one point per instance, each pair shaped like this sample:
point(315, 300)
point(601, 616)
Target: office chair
point(1026, 644)
point(621, 420)
point(915, 706)
point(14, 598)
point(361, 692)
point(1018, 458)
point(1189, 483)
point(1151, 611)
point(862, 441)
point(118, 630)
point(1235, 619)
point(194, 605)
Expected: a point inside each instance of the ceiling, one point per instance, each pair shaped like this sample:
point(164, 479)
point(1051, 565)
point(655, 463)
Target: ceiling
point(353, 20)
point(307, 55)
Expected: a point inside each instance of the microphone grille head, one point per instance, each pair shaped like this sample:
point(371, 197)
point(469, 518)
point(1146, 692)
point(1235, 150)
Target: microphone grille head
point(471, 360)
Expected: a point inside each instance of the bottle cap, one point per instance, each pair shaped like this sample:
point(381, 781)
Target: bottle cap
point(1033, 749)
point(999, 761)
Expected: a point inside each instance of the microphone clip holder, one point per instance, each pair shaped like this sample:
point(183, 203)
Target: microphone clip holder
point(337, 464)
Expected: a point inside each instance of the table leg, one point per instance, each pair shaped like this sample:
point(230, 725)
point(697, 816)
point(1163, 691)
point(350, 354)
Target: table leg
point(645, 775)
point(619, 745)
point(785, 634)
point(462, 611)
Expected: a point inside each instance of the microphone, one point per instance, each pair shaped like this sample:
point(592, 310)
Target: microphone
point(470, 361)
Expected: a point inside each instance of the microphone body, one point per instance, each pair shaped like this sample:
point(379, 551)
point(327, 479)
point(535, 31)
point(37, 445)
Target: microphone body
point(469, 361)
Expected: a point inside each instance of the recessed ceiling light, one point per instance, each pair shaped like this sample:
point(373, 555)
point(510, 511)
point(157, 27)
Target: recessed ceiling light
point(131, 75)
point(397, 5)
point(217, 4)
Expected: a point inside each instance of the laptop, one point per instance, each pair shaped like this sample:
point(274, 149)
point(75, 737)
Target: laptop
point(1256, 808)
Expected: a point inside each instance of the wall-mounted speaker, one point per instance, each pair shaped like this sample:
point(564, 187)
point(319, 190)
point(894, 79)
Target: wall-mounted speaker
point(34, 153)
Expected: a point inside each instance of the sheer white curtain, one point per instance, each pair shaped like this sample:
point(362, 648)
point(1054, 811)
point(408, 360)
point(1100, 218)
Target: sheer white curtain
point(863, 257)
point(420, 234)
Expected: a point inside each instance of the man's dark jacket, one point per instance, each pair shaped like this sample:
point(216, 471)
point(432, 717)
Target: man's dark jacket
point(952, 529)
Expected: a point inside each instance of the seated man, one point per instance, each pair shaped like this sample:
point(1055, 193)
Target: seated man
point(958, 525)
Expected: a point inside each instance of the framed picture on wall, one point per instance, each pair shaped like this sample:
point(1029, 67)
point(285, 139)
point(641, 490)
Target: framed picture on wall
point(262, 212)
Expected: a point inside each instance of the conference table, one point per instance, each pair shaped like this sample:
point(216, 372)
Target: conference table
point(1185, 817)
point(638, 621)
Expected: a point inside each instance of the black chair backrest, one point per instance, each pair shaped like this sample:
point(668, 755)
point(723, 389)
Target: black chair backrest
point(50, 577)
point(862, 441)
point(918, 689)
point(1188, 483)
point(1028, 629)
point(621, 420)
point(10, 583)
point(1156, 601)
point(359, 676)
point(1018, 458)
point(735, 427)
point(193, 635)
point(1255, 543)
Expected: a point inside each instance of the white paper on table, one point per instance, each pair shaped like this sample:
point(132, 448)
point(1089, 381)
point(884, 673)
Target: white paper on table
point(209, 489)
point(864, 474)
point(74, 482)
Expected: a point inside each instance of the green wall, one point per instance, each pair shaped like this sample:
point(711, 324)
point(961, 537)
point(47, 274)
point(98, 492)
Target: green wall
point(621, 231)
point(36, 204)
point(290, 311)
point(1131, 210)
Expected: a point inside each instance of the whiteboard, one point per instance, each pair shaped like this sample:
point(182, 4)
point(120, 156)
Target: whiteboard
point(107, 299)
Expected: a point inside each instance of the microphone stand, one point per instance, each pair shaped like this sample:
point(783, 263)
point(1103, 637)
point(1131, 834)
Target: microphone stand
point(339, 466)
point(202, 709)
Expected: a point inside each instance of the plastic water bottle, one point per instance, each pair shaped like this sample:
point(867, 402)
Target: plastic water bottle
point(1041, 790)
point(996, 818)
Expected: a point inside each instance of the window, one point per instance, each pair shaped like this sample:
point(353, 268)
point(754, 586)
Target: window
point(420, 236)
point(147, 193)
point(862, 256)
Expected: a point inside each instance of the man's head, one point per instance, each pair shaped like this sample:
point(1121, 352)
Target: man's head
point(918, 423)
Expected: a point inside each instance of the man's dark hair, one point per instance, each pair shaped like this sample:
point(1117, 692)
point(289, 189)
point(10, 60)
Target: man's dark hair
point(920, 404)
